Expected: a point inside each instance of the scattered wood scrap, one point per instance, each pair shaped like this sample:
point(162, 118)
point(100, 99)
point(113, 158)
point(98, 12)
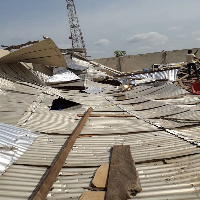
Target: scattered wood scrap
point(93, 195)
point(98, 186)
point(100, 178)
point(183, 80)
point(123, 179)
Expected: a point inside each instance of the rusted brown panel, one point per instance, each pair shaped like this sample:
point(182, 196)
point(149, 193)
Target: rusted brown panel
point(50, 176)
point(123, 178)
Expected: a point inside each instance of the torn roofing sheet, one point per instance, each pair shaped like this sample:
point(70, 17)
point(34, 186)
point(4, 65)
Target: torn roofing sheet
point(18, 72)
point(169, 74)
point(77, 64)
point(3, 52)
point(13, 143)
point(61, 74)
point(45, 52)
point(167, 162)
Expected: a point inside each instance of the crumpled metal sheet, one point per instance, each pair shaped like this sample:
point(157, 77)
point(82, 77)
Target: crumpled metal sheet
point(77, 64)
point(169, 74)
point(61, 74)
point(149, 77)
point(13, 143)
point(94, 90)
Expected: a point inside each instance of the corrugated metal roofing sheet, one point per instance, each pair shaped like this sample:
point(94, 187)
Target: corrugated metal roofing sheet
point(167, 160)
point(45, 52)
point(13, 143)
point(19, 181)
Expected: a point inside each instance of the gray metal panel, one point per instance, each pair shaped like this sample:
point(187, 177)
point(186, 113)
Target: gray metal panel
point(18, 72)
point(19, 181)
point(13, 143)
point(176, 179)
point(168, 163)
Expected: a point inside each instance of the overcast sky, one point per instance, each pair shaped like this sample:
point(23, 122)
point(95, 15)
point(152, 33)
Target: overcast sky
point(134, 26)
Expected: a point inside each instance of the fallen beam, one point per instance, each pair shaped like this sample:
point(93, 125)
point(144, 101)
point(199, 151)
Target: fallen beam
point(123, 178)
point(51, 174)
point(107, 115)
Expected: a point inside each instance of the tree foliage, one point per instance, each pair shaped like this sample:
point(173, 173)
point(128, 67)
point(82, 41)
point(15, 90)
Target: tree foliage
point(119, 53)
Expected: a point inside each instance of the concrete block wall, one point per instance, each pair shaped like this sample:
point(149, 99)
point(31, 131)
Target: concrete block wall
point(132, 63)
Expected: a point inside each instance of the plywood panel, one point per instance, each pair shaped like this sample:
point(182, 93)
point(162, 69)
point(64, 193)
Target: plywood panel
point(123, 178)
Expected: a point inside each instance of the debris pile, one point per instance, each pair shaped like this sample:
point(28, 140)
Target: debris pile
point(142, 128)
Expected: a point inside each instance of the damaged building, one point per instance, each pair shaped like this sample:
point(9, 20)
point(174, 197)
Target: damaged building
point(76, 129)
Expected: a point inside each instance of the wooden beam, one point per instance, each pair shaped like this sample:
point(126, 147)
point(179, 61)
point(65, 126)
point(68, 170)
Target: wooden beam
point(107, 115)
point(44, 186)
point(185, 76)
point(123, 178)
point(181, 83)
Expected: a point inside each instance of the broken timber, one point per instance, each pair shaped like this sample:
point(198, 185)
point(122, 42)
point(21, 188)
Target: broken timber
point(123, 178)
point(106, 115)
point(91, 195)
point(100, 178)
point(50, 176)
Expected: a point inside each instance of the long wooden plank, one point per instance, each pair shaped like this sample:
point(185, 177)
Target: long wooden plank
point(107, 115)
point(123, 178)
point(50, 176)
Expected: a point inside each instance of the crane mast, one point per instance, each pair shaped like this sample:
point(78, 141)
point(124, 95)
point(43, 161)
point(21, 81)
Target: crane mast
point(76, 33)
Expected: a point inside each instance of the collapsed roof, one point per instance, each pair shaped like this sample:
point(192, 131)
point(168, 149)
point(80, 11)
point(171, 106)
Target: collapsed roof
point(43, 52)
point(158, 120)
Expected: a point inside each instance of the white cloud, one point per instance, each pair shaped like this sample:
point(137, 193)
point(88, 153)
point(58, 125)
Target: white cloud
point(154, 37)
point(196, 33)
point(198, 39)
point(182, 35)
point(102, 42)
point(174, 28)
point(96, 52)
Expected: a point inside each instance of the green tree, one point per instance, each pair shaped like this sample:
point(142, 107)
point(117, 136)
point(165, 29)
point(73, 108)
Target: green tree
point(119, 53)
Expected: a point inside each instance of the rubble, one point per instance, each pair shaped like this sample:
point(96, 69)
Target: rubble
point(153, 115)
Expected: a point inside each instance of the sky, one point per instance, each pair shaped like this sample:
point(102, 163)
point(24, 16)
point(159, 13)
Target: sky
point(134, 26)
